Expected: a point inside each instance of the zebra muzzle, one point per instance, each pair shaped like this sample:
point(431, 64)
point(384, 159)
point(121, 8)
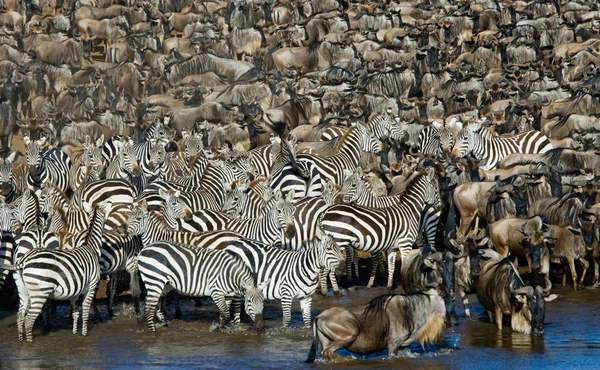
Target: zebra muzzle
point(5, 189)
point(290, 231)
point(188, 215)
point(259, 322)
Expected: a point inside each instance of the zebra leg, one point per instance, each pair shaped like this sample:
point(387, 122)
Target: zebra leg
point(87, 302)
point(75, 309)
point(23, 304)
point(46, 313)
point(305, 305)
point(391, 257)
point(334, 283)
point(323, 282)
point(134, 283)
point(35, 308)
point(221, 303)
point(349, 263)
point(237, 309)
point(374, 264)
point(465, 300)
point(112, 292)
point(286, 306)
point(152, 299)
point(355, 261)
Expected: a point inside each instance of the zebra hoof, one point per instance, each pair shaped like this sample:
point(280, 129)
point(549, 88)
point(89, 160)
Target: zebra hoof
point(338, 293)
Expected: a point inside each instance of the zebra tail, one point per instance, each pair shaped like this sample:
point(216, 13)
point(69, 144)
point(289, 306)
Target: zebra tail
point(312, 353)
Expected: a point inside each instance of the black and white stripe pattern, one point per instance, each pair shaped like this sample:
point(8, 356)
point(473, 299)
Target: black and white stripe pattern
point(437, 138)
point(52, 166)
point(356, 141)
point(384, 127)
point(276, 221)
point(8, 190)
point(383, 229)
point(198, 272)
point(286, 274)
point(57, 274)
point(481, 142)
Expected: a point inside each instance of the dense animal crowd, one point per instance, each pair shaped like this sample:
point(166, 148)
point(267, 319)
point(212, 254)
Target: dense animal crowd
point(256, 149)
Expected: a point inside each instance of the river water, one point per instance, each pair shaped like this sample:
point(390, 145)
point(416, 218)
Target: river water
point(571, 340)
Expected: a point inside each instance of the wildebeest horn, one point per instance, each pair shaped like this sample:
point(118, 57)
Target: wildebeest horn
point(548, 285)
point(527, 290)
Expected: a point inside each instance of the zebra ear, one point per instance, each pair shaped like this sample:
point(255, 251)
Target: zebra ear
point(430, 173)
point(347, 173)
point(359, 172)
point(185, 134)
point(262, 286)
point(290, 196)
point(163, 194)
point(100, 140)
point(88, 140)
point(87, 207)
point(278, 195)
point(41, 141)
point(437, 124)
point(26, 140)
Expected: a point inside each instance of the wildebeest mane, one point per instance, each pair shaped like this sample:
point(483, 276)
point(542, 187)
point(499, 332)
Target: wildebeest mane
point(377, 305)
point(196, 64)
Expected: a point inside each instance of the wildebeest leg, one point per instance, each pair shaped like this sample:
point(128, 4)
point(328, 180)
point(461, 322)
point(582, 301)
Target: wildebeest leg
point(585, 265)
point(498, 313)
point(305, 304)
point(465, 300)
point(112, 292)
point(343, 336)
point(571, 262)
point(596, 272)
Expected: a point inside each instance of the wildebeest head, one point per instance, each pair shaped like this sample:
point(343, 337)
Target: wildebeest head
point(536, 244)
point(529, 309)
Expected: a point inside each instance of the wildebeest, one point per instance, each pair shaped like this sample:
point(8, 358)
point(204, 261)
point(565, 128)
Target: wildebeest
point(501, 291)
point(387, 322)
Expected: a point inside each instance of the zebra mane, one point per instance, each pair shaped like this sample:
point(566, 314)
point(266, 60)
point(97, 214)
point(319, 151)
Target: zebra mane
point(342, 139)
point(411, 182)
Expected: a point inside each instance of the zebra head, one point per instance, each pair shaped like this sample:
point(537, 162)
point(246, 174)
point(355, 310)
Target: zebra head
point(137, 222)
point(7, 223)
point(465, 140)
point(33, 149)
point(6, 175)
point(330, 255)
point(285, 210)
point(447, 133)
point(432, 191)
point(128, 160)
point(26, 209)
point(175, 207)
point(92, 155)
point(158, 155)
point(330, 193)
point(349, 189)
point(367, 143)
point(254, 300)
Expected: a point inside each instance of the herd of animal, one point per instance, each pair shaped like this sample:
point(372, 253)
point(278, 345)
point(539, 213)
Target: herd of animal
point(256, 149)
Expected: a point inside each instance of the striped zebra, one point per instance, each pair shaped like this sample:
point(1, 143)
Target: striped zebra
point(360, 192)
point(119, 253)
point(151, 156)
point(89, 165)
point(199, 272)
point(115, 191)
point(437, 138)
point(8, 190)
point(356, 141)
point(384, 229)
point(27, 211)
point(273, 226)
point(249, 200)
point(382, 127)
point(286, 274)
point(192, 144)
point(123, 163)
point(52, 166)
point(61, 275)
point(7, 241)
point(332, 132)
point(484, 145)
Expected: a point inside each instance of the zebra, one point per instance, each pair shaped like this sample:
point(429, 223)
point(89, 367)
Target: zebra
point(356, 141)
point(481, 142)
point(193, 145)
point(116, 191)
point(90, 165)
point(384, 229)
point(119, 253)
point(27, 211)
point(358, 191)
point(437, 138)
point(123, 162)
point(275, 224)
point(52, 166)
point(286, 274)
point(151, 156)
point(199, 272)
point(383, 127)
point(7, 241)
point(8, 190)
point(60, 274)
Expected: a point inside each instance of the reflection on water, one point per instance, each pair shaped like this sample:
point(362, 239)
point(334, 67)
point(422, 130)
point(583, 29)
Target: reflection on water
point(571, 337)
